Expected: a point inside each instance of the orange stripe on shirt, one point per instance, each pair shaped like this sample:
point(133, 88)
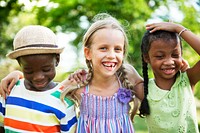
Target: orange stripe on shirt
point(30, 126)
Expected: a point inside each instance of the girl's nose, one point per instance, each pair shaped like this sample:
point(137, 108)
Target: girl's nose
point(169, 61)
point(111, 54)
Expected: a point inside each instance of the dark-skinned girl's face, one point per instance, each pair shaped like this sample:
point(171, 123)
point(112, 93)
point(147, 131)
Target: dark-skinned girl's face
point(39, 70)
point(165, 59)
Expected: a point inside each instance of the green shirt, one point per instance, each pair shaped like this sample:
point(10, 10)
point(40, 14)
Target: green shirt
point(172, 111)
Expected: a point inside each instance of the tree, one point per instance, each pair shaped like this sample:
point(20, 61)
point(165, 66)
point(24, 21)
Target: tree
point(75, 16)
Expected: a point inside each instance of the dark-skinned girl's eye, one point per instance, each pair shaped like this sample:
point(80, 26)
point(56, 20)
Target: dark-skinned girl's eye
point(159, 57)
point(175, 56)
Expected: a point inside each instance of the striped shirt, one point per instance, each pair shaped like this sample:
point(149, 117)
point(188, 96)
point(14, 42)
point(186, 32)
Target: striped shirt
point(103, 115)
point(30, 111)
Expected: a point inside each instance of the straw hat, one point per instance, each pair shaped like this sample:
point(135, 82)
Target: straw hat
point(34, 39)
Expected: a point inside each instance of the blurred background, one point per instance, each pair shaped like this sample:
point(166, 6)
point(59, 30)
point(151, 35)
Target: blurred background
point(69, 19)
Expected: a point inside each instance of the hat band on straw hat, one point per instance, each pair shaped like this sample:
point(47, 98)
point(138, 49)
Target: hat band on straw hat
point(40, 45)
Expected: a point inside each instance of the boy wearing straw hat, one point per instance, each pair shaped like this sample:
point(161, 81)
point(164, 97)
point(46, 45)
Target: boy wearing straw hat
point(34, 103)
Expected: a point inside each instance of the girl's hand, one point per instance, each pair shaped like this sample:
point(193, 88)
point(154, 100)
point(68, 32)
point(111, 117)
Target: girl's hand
point(185, 65)
point(9, 81)
point(167, 26)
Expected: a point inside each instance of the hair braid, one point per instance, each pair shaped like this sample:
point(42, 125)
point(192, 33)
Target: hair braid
point(90, 74)
point(126, 83)
point(144, 107)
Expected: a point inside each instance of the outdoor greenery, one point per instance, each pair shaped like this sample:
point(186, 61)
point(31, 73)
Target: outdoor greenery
point(74, 16)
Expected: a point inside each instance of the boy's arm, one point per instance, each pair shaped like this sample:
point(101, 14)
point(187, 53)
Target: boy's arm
point(9, 81)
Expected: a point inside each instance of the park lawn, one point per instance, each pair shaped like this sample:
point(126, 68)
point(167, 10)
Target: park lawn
point(140, 125)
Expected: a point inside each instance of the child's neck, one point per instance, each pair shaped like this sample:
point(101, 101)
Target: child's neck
point(104, 86)
point(29, 86)
point(165, 84)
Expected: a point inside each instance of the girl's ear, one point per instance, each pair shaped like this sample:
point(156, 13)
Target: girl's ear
point(146, 58)
point(87, 53)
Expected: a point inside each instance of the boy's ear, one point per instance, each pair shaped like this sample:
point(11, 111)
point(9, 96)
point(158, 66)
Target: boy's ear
point(18, 60)
point(146, 58)
point(87, 53)
point(57, 59)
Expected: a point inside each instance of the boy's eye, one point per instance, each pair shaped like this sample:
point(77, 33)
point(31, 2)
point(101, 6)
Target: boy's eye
point(28, 72)
point(46, 69)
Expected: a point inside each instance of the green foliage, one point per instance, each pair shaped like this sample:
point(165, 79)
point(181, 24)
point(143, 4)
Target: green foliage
point(75, 16)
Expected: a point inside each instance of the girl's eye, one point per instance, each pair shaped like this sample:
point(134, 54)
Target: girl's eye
point(159, 57)
point(118, 49)
point(103, 48)
point(175, 55)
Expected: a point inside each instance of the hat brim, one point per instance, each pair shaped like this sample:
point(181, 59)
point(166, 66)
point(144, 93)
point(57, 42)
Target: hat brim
point(35, 50)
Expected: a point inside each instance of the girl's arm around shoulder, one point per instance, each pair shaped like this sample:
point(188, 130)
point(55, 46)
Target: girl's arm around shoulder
point(136, 80)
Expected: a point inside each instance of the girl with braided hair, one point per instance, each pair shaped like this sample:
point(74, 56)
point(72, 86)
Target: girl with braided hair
point(168, 102)
point(105, 95)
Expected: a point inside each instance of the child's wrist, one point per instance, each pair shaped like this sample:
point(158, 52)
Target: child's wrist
point(183, 30)
point(21, 76)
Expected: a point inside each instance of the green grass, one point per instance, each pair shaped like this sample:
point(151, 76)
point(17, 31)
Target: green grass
point(140, 125)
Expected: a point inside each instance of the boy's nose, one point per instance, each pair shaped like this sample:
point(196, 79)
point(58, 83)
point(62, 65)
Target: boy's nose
point(38, 76)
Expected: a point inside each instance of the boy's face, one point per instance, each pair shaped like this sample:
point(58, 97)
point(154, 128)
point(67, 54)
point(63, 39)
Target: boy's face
point(39, 70)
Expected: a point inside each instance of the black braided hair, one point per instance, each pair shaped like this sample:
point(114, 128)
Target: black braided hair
point(147, 39)
point(144, 107)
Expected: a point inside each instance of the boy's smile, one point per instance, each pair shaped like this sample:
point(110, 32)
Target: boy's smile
point(39, 70)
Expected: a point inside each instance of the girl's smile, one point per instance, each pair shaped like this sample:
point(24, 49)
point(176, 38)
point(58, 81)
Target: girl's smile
point(107, 51)
point(165, 59)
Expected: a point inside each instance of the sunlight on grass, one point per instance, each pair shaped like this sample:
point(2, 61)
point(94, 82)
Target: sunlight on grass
point(140, 125)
